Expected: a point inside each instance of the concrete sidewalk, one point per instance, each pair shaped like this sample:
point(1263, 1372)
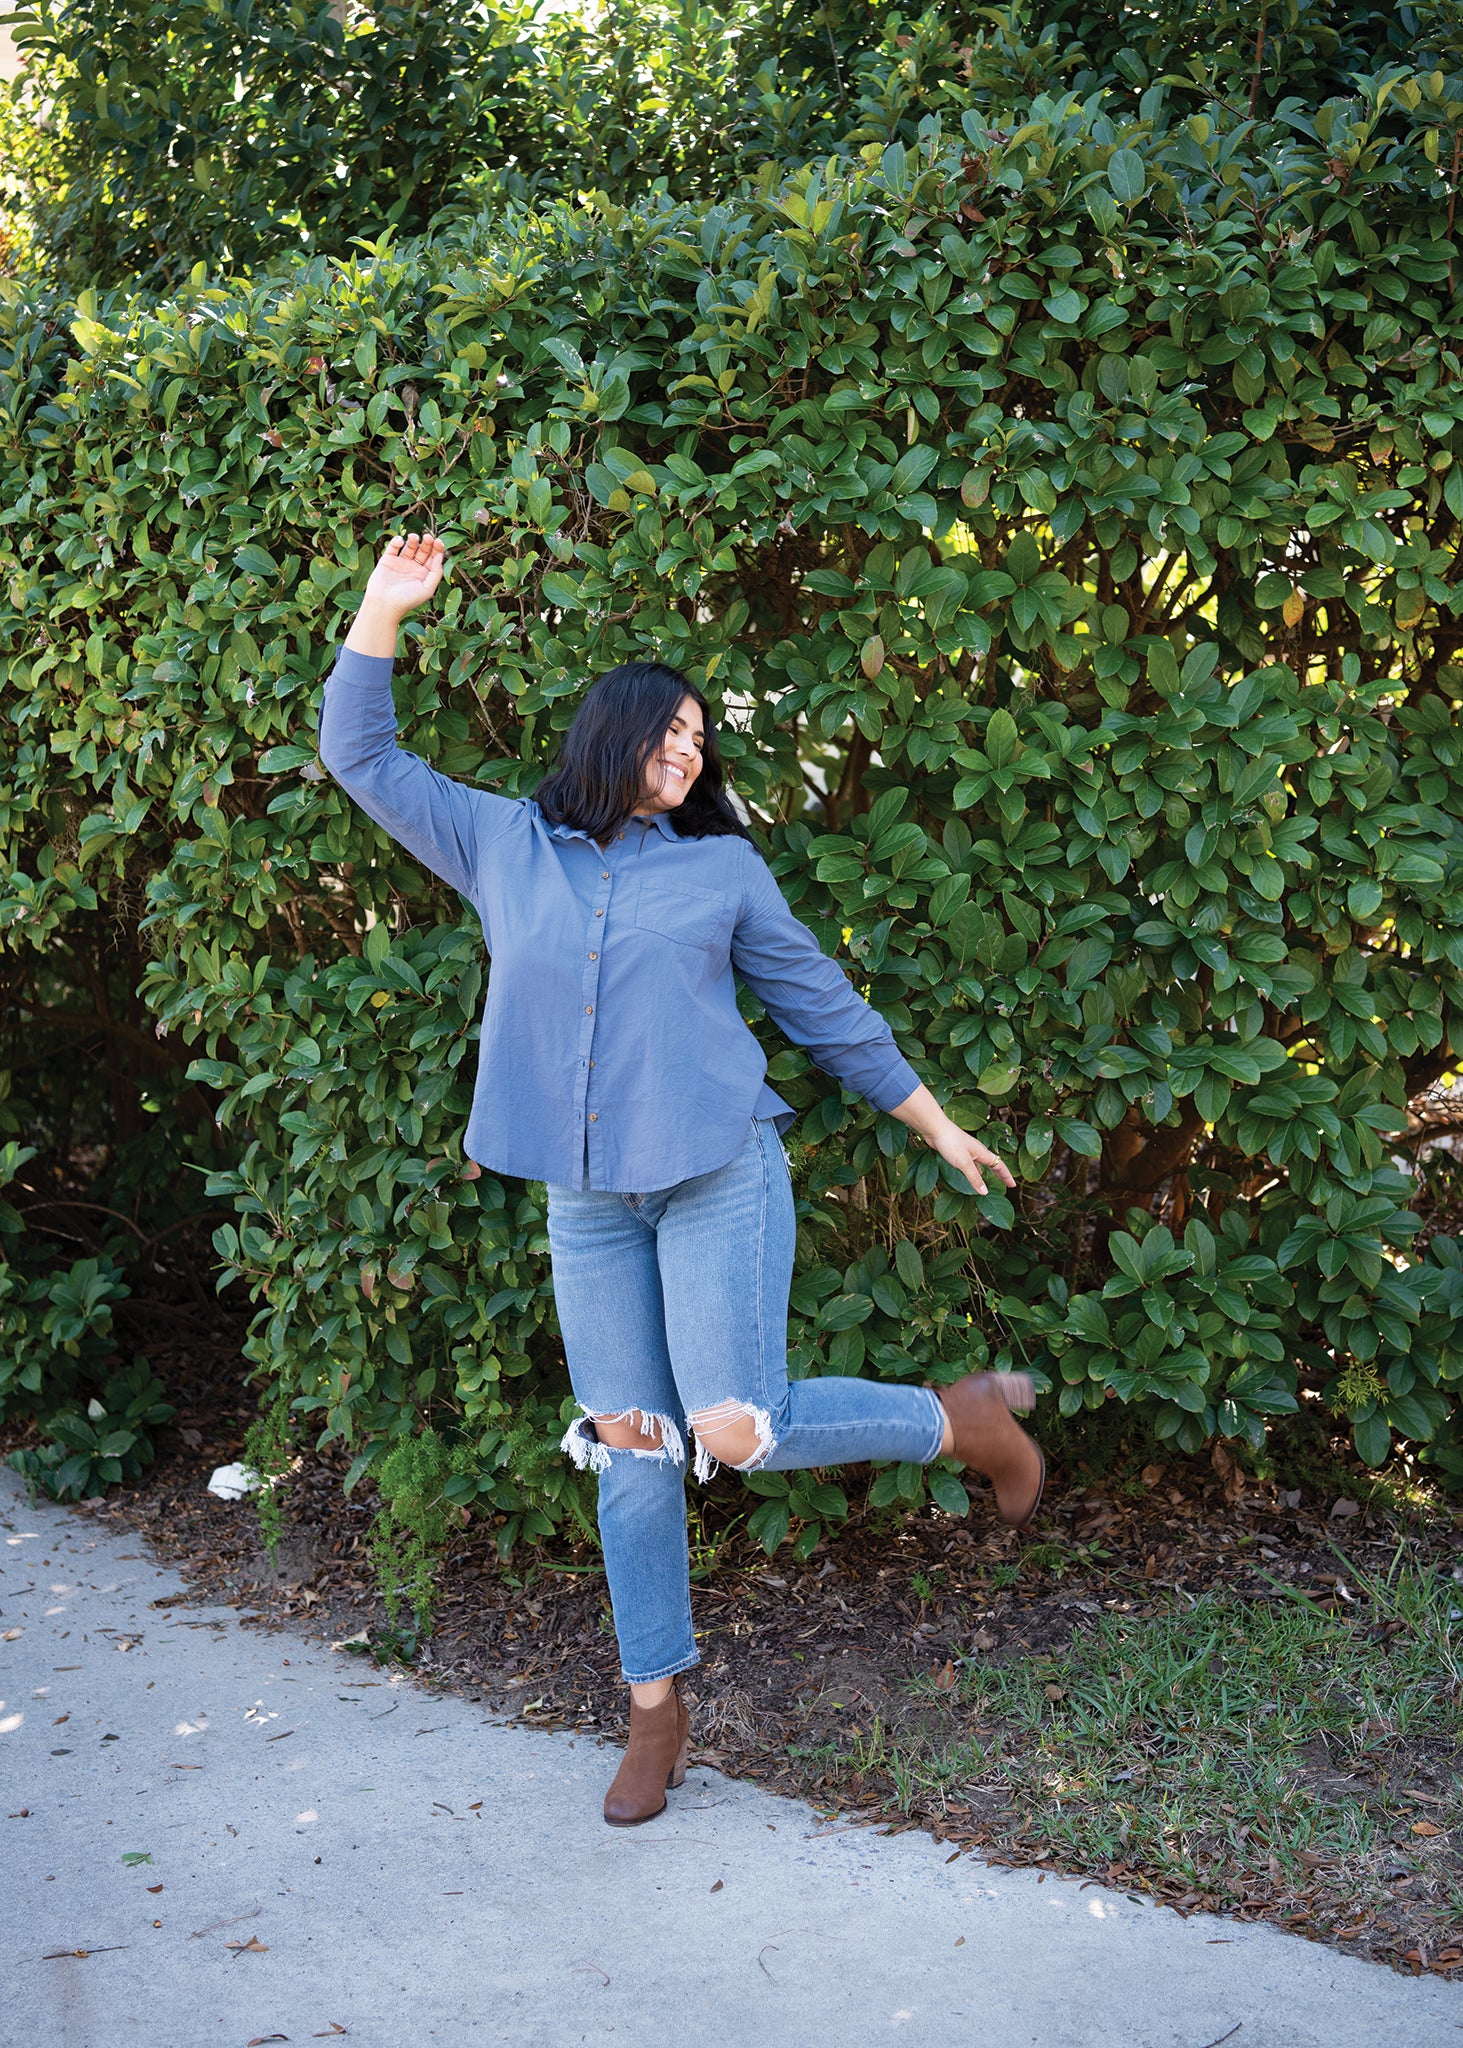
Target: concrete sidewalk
point(305, 1876)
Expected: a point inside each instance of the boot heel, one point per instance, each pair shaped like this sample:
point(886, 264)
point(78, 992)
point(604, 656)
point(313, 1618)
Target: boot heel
point(1017, 1390)
point(678, 1768)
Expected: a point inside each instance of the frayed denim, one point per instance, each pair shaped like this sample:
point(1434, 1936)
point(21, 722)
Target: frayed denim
point(673, 1307)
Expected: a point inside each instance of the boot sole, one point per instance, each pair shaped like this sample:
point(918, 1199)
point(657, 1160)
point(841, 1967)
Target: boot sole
point(639, 1820)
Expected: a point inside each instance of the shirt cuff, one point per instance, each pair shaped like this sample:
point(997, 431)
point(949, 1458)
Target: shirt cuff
point(895, 1083)
point(366, 669)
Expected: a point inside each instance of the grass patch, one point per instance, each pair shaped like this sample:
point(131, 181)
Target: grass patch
point(1267, 1754)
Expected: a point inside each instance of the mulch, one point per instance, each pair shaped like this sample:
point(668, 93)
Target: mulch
point(801, 1656)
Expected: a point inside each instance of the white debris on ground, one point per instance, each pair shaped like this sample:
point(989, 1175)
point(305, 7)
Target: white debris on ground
point(233, 1482)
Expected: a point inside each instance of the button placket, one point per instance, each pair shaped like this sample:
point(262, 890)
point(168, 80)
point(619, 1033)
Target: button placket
point(589, 993)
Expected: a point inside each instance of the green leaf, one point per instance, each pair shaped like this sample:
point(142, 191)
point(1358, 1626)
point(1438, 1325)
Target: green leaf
point(966, 929)
point(1002, 740)
point(1127, 1255)
point(769, 1524)
point(912, 468)
point(1126, 175)
point(1373, 1440)
point(844, 1311)
point(567, 592)
point(1078, 1137)
point(1211, 1096)
point(947, 898)
point(947, 1492)
point(909, 1265)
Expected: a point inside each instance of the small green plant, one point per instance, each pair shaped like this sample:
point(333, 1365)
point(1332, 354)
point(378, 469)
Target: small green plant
point(268, 1448)
point(800, 1501)
point(409, 1532)
point(55, 1329)
point(396, 1643)
point(96, 1445)
point(709, 1538)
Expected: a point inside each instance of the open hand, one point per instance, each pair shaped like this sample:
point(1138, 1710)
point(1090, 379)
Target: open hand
point(408, 572)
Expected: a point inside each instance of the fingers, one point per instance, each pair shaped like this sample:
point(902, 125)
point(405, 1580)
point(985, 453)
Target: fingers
point(1000, 1166)
point(979, 1157)
point(414, 550)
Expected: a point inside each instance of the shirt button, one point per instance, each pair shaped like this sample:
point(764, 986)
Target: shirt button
point(599, 913)
point(594, 956)
point(594, 1116)
point(604, 874)
point(589, 1009)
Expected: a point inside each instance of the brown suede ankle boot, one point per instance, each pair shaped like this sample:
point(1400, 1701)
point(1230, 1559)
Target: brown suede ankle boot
point(654, 1759)
point(993, 1443)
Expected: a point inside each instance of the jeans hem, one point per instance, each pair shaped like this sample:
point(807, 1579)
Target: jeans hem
point(939, 1426)
point(670, 1671)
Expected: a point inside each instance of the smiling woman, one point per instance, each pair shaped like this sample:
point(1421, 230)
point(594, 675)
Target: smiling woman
point(641, 742)
point(620, 908)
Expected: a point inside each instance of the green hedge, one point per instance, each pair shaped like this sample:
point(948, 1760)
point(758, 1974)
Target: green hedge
point(1064, 513)
point(143, 138)
point(147, 137)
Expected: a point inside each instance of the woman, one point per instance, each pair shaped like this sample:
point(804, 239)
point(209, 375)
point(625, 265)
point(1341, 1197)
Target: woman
point(614, 1066)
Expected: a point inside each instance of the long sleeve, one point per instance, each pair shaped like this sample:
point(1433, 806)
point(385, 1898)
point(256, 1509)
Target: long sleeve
point(444, 823)
point(809, 997)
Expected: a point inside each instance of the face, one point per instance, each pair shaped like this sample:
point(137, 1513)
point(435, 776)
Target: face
point(675, 764)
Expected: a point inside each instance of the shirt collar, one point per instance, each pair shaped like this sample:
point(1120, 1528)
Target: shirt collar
point(661, 820)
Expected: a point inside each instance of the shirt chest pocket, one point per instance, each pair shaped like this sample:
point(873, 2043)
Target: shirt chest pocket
point(699, 918)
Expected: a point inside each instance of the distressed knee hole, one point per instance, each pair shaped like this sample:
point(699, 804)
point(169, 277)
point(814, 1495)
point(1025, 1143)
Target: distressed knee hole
point(590, 1438)
point(732, 1433)
point(631, 1431)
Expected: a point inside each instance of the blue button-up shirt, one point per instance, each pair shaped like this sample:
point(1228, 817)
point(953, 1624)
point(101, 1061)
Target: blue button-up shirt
point(612, 1053)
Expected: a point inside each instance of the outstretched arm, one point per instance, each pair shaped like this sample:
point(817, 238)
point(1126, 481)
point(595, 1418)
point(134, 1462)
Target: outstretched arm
point(809, 997)
point(444, 823)
point(943, 1135)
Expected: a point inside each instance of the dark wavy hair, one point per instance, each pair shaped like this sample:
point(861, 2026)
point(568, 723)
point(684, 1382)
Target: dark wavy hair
point(599, 776)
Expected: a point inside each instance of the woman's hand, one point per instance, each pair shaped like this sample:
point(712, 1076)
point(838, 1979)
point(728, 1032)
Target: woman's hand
point(408, 572)
point(966, 1154)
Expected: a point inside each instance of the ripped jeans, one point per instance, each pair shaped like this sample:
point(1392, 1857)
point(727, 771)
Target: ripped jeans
point(673, 1306)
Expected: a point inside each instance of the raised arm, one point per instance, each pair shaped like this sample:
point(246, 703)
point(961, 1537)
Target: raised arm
point(442, 822)
point(809, 997)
